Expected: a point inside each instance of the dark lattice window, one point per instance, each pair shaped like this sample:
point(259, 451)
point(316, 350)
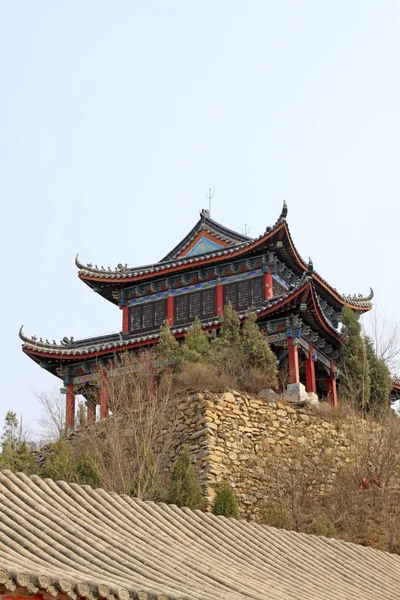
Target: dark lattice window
point(209, 303)
point(144, 317)
point(195, 304)
point(230, 294)
point(136, 318)
point(181, 309)
point(244, 294)
point(277, 288)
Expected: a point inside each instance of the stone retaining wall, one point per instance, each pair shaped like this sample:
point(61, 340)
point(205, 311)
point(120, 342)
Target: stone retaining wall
point(232, 435)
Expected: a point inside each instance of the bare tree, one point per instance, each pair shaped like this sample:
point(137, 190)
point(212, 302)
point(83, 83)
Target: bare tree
point(386, 339)
point(52, 417)
point(130, 448)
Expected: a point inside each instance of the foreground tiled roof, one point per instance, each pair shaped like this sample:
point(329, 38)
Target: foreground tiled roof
point(73, 541)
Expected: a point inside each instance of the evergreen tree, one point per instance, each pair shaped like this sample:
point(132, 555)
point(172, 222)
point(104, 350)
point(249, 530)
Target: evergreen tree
point(61, 463)
point(168, 346)
point(196, 346)
point(381, 380)
point(229, 334)
point(15, 452)
point(355, 382)
point(185, 489)
point(256, 350)
point(225, 503)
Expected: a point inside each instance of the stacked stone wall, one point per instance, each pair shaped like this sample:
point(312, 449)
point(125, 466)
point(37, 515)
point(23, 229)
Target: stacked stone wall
point(231, 437)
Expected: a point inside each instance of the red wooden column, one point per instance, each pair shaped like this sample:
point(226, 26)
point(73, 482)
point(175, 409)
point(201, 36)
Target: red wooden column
point(170, 310)
point(91, 411)
point(125, 319)
point(70, 407)
point(311, 384)
point(268, 291)
point(293, 357)
point(219, 299)
point(331, 384)
point(104, 408)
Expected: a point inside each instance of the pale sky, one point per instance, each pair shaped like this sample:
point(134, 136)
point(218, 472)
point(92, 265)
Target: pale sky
point(116, 118)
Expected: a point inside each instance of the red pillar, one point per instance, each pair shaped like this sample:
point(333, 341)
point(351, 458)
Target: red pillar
point(293, 356)
point(70, 407)
point(170, 310)
point(91, 411)
point(104, 408)
point(331, 384)
point(268, 290)
point(125, 319)
point(219, 299)
point(311, 384)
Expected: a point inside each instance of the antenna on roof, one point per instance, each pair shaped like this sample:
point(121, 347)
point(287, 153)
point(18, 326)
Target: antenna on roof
point(209, 197)
point(246, 230)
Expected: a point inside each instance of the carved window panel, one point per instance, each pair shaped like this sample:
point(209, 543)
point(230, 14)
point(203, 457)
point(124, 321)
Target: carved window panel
point(200, 304)
point(230, 294)
point(181, 309)
point(194, 305)
point(209, 309)
point(257, 291)
point(136, 318)
point(159, 312)
point(277, 288)
point(148, 316)
point(244, 294)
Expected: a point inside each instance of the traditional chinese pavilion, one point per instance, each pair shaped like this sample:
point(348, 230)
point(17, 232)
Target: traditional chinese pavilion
point(297, 310)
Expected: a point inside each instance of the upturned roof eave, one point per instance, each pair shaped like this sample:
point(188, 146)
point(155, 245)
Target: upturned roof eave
point(106, 347)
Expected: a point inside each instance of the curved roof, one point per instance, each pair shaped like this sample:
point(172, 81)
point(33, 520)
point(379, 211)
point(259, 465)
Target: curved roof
point(68, 541)
point(277, 237)
point(73, 350)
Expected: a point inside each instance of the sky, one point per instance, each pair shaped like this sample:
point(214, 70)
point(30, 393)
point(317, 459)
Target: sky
point(117, 117)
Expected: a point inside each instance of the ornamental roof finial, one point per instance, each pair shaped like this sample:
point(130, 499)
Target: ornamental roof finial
point(310, 266)
point(78, 264)
point(284, 211)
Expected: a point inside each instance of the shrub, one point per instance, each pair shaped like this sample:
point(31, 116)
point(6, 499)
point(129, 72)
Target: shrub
point(225, 503)
point(277, 515)
point(196, 346)
point(322, 525)
point(185, 489)
point(197, 377)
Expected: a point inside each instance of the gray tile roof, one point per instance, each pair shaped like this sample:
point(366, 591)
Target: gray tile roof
point(73, 541)
point(117, 340)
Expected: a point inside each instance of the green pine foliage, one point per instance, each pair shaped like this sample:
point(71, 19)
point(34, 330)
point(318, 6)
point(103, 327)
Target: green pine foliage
point(225, 503)
point(230, 328)
point(256, 350)
point(168, 346)
point(196, 346)
point(63, 464)
point(381, 380)
point(15, 452)
point(355, 381)
point(185, 489)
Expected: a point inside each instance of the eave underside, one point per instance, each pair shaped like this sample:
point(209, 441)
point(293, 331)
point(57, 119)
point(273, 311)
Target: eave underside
point(302, 302)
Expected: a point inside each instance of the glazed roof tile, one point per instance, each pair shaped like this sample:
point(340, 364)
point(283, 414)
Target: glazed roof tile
point(72, 541)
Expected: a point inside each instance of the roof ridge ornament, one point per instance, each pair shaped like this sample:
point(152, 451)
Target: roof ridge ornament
point(310, 267)
point(284, 212)
point(78, 263)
